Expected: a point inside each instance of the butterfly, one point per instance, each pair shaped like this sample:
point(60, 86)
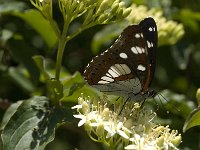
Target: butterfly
point(127, 68)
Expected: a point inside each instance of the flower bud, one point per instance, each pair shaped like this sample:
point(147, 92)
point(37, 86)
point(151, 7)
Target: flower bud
point(160, 141)
point(127, 12)
point(177, 140)
point(85, 108)
point(121, 4)
point(87, 127)
point(106, 114)
point(100, 130)
point(104, 5)
point(114, 8)
point(102, 18)
point(120, 13)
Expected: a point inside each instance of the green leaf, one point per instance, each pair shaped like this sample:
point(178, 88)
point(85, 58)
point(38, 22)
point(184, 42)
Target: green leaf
point(35, 19)
point(32, 125)
point(39, 60)
point(18, 76)
point(5, 36)
point(192, 120)
point(190, 18)
point(9, 112)
point(74, 87)
point(72, 83)
point(106, 36)
point(23, 53)
point(84, 91)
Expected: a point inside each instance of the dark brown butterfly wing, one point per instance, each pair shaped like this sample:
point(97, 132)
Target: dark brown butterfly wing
point(128, 65)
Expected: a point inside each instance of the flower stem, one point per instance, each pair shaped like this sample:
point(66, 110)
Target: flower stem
point(62, 41)
point(61, 47)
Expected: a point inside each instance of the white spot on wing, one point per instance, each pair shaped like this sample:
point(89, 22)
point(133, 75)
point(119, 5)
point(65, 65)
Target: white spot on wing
point(150, 29)
point(139, 49)
point(103, 82)
point(143, 50)
point(134, 50)
point(121, 70)
point(151, 44)
point(141, 67)
point(113, 73)
point(148, 44)
point(105, 78)
point(108, 75)
point(116, 70)
point(123, 55)
point(137, 35)
point(124, 69)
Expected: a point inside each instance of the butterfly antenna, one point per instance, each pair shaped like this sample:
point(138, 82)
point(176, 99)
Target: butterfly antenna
point(142, 103)
point(168, 101)
point(161, 103)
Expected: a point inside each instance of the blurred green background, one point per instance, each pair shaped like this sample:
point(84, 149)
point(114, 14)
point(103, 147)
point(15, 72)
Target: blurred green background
point(177, 76)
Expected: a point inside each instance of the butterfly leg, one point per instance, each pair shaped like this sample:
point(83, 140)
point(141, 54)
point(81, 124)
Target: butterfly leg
point(112, 105)
point(124, 105)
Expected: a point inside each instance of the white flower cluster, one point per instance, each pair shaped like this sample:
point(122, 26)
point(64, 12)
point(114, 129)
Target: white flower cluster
point(169, 32)
point(133, 129)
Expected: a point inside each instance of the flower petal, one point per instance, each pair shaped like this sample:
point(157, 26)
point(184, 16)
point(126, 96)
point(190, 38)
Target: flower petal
point(76, 106)
point(132, 147)
point(79, 116)
point(123, 134)
point(81, 122)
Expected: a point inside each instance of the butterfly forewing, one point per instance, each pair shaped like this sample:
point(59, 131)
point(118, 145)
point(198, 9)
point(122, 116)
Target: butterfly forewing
point(149, 29)
point(126, 67)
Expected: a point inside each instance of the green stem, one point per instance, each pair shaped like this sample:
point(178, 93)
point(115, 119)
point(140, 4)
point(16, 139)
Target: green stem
point(61, 46)
point(79, 31)
point(63, 41)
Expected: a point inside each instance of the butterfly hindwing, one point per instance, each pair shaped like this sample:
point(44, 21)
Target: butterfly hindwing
point(128, 65)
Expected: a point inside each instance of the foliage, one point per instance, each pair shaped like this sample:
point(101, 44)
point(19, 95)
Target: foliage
point(37, 92)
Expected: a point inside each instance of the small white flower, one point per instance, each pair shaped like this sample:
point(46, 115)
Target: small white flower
point(82, 121)
point(123, 134)
point(77, 106)
point(133, 128)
